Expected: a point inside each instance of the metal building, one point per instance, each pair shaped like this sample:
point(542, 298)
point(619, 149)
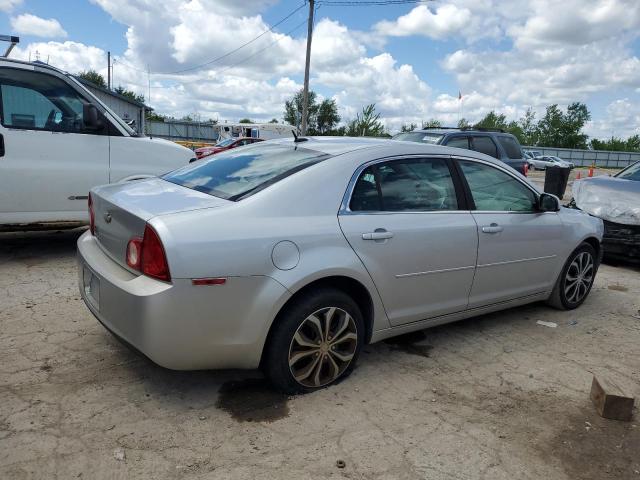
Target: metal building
point(124, 107)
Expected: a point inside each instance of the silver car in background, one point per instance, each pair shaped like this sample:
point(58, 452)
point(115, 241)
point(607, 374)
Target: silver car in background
point(541, 163)
point(291, 255)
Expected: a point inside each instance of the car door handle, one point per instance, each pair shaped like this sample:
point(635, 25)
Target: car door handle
point(493, 228)
point(1, 145)
point(379, 234)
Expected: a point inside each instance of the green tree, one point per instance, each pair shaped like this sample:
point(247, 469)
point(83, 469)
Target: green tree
point(129, 94)
point(366, 125)
point(433, 123)
point(616, 144)
point(273, 120)
point(563, 130)
point(493, 120)
point(156, 117)
point(529, 128)
point(327, 117)
point(463, 123)
point(93, 77)
point(293, 110)
point(408, 128)
point(245, 120)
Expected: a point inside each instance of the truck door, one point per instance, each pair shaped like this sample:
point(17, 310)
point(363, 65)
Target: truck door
point(51, 158)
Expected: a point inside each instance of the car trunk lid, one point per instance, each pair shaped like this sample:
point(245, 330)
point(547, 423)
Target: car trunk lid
point(121, 211)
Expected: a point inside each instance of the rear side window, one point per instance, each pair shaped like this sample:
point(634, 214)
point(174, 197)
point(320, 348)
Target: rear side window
point(495, 191)
point(511, 146)
point(235, 174)
point(485, 145)
point(405, 185)
point(459, 142)
point(37, 101)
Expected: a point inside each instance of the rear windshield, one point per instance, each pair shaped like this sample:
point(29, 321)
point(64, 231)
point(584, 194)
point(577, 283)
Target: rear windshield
point(235, 174)
point(420, 137)
point(511, 146)
point(225, 142)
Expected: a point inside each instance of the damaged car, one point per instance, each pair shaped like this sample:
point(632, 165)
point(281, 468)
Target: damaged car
point(616, 200)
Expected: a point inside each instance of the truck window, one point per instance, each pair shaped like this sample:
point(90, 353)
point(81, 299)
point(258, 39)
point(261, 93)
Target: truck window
point(37, 101)
point(485, 145)
point(511, 146)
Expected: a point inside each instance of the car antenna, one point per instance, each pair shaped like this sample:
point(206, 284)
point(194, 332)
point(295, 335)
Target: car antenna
point(296, 138)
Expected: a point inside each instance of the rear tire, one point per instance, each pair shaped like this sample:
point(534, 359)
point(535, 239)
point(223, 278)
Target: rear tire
point(576, 279)
point(315, 342)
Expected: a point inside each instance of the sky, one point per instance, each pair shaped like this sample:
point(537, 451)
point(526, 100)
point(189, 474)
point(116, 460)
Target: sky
point(188, 57)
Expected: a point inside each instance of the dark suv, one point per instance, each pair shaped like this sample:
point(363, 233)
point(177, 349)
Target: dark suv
point(495, 143)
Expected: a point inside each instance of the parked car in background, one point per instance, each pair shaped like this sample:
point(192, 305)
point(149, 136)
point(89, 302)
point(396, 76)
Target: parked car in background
point(495, 143)
point(616, 200)
point(293, 254)
point(226, 144)
point(533, 153)
point(57, 140)
point(541, 163)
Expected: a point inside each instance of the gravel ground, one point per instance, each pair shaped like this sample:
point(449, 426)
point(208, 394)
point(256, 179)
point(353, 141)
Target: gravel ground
point(494, 397)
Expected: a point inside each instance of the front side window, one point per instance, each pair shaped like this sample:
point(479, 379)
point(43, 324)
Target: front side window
point(494, 190)
point(405, 185)
point(485, 145)
point(236, 174)
point(630, 173)
point(511, 146)
point(38, 101)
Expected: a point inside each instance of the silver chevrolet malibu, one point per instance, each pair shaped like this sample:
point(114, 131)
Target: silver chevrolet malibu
point(292, 254)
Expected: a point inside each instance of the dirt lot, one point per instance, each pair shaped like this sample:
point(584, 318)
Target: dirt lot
point(495, 397)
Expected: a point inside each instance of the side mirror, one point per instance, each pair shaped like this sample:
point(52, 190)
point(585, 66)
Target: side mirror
point(548, 203)
point(90, 117)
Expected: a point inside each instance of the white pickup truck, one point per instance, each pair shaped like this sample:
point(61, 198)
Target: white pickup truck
point(57, 140)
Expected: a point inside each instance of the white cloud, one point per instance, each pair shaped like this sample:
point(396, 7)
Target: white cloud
point(442, 22)
point(622, 119)
point(28, 24)
point(73, 57)
point(8, 5)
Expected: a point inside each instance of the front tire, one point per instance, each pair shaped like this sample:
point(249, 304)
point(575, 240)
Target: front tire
point(315, 342)
point(576, 279)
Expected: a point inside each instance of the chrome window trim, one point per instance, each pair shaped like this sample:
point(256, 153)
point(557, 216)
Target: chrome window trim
point(346, 198)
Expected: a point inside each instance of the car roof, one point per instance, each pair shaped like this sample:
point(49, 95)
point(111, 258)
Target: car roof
point(335, 146)
point(444, 131)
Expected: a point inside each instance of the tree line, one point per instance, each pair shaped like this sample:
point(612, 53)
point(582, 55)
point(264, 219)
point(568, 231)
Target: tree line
point(557, 128)
point(98, 80)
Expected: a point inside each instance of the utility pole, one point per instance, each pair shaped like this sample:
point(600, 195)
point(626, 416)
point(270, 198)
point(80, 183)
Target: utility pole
point(109, 70)
point(305, 94)
point(149, 83)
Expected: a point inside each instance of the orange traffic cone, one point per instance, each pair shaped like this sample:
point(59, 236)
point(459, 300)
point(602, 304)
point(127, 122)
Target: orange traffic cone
point(590, 171)
point(579, 176)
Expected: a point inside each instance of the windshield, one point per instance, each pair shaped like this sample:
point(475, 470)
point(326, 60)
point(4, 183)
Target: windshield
point(631, 173)
point(225, 142)
point(235, 174)
point(419, 137)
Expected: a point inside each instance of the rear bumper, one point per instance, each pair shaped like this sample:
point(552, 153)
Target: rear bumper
point(178, 325)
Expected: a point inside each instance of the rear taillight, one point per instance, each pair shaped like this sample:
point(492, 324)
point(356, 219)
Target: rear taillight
point(525, 169)
point(92, 217)
point(154, 261)
point(147, 255)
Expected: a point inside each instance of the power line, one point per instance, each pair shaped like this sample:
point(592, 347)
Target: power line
point(367, 3)
point(196, 67)
point(244, 60)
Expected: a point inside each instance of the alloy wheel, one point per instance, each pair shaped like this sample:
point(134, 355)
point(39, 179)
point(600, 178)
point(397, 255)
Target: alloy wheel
point(579, 277)
point(323, 347)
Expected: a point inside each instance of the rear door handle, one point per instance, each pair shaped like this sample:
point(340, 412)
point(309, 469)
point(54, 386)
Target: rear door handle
point(493, 228)
point(379, 234)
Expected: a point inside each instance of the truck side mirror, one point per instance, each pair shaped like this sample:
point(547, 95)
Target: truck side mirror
point(548, 203)
point(90, 117)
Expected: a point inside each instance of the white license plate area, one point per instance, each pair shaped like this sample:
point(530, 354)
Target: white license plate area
point(91, 287)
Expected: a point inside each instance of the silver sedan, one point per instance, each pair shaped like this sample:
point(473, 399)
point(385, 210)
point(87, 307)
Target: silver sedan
point(292, 255)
